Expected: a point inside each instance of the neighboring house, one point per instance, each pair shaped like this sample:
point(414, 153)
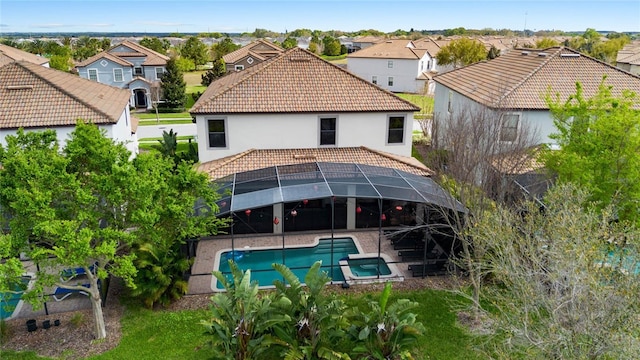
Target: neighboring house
point(10, 54)
point(298, 100)
point(251, 55)
point(127, 66)
point(397, 65)
point(364, 42)
point(629, 58)
point(515, 84)
point(34, 98)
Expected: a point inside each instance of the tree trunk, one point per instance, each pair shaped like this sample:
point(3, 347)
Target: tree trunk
point(98, 316)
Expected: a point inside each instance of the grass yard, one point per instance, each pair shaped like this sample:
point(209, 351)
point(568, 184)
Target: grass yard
point(178, 335)
point(193, 78)
point(424, 102)
point(152, 116)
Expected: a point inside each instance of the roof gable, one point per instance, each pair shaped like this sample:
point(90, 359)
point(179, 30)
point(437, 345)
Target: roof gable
point(10, 54)
point(296, 81)
point(520, 79)
point(36, 96)
point(259, 49)
point(106, 56)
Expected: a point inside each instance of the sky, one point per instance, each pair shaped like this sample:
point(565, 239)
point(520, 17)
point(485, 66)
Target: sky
point(224, 16)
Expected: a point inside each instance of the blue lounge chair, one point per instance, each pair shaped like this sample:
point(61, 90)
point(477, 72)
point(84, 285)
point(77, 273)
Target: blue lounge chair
point(69, 274)
point(62, 293)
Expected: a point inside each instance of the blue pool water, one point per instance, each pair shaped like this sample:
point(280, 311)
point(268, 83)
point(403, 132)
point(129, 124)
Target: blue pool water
point(299, 260)
point(628, 262)
point(9, 300)
point(368, 267)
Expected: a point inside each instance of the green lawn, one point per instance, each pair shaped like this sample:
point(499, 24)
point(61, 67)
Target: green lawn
point(178, 335)
point(424, 102)
point(152, 116)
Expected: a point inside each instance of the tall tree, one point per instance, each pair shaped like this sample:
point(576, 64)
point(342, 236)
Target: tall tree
point(331, 46)
point(67, 210)
point(173, 86)
point(218, 70)
point(546, 43)
point(599, 138)
point(461, 52)
point(156, 44)
point(224, 47)
point(289, 43)
point(195, 50)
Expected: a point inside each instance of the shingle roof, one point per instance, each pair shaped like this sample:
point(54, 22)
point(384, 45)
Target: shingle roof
point(294, 82)
point(152, 58)
point(104, 55)
point(35, 96)
point(520, 79)
point(629, 54)
point(251, 49)
point(257, 159)
point(389, 49)
point(10, 54)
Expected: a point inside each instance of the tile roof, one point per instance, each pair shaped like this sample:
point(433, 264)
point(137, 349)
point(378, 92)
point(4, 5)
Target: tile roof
point(294, 82)
point(36, 96)
point(517, 163)
point(253, 49)
point(629, 54)
point(10, 54)
point(521, 78)
point(254, 159)
point(389, 49)
point(153, 57)
point(429, 45)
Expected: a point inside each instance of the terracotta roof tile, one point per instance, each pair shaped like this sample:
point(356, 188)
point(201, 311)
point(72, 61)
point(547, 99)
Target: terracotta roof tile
point(35, 96)
point(104, 55)
point(521, 78)
point(629, 54)
point(296, 81)
point(258, 159)
point(10, 54)
point(153, 57)
point(388, 49)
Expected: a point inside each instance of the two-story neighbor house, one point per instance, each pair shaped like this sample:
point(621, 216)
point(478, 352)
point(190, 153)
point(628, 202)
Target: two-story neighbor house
point(397, 65)
point(250, 55)
point(127, 66)
point(35, 97)
point(514, 86)
point(299, 144)
point(9, 54)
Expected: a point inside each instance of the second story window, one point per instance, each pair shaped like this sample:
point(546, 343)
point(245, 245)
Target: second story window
point(390, 64)
point(239, 67)
point(396, 130)
point(390, 81)
point(118, 75)
point(374, 79)
point(450, 103)
point(217, 133)
point(509, 130)
point(159, 73)
point(137, 71)
point(93, 74)
point(328, 131)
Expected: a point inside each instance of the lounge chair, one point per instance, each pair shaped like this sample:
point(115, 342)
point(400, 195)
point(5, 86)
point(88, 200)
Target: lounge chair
point(62, 293)
point(69, 274)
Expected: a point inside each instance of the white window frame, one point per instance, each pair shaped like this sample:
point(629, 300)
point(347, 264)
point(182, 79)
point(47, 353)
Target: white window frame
point(506, 130)
point(239, 67)
point(335, 131)
point(89, 71)
point(115, 78)
point(161, 73)
point(390, 118)
point(390, 64)
point(390, 81)
point(225, 132)
point(374, 79)
point(450, 102)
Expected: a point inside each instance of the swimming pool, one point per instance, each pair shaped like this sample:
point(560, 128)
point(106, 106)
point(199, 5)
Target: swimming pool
point(298, 259)
point(368, 267)
point(11, 302)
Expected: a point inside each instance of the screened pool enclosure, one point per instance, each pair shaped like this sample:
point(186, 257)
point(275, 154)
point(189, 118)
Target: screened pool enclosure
point(324, 197)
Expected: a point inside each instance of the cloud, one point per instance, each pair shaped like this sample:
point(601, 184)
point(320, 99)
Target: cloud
point(49, 26)
point(99, 25)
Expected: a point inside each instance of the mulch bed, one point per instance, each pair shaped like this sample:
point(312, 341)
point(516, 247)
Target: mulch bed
point(75, 339)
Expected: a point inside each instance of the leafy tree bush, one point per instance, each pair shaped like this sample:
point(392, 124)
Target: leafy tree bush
point(195, 50)
point(185, 65)
point(331, 46)
point(218, 70)
point(289, 43)
point(224, 47)
point(461, 52)
point(158, 45)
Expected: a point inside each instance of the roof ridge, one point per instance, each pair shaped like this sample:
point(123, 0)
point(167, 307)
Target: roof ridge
point(73, 96)
point(397, 158)
point(153, 52)
point(530, 75)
